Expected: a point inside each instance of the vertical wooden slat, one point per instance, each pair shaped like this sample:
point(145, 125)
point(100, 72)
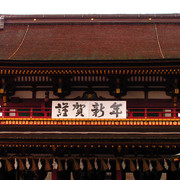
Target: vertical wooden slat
point(119, 175)
point(54, 174)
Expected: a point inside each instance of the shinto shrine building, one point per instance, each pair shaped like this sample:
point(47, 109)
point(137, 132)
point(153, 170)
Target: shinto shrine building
point(90, 97)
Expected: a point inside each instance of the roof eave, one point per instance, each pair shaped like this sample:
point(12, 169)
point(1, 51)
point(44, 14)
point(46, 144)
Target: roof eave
point(92, 19)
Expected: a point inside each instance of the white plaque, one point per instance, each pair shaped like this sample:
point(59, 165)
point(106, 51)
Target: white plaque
point(89, 109)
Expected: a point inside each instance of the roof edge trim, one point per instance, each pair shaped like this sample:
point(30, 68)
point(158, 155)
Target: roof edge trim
point(91, 19)
point(87, 16)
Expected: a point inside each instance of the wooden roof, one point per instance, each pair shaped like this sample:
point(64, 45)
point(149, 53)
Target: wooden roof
point(89, 37)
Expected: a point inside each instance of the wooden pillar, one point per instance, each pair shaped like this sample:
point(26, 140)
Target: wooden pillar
point(63, 175)
point(173, 175)
point(119, 175)
point(54, 174)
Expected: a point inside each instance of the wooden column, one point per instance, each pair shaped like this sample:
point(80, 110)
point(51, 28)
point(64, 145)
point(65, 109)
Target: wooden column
point(119, 175)
point(54, 174)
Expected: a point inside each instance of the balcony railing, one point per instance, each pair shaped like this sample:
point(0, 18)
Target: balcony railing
point(132, 113)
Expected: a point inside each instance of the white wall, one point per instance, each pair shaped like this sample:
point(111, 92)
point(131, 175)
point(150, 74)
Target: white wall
point(158, 95)
point(49, 176)
point(41, 95)
point(134, 95)
point(163, 177)
point(23, 94)
point(129, 176)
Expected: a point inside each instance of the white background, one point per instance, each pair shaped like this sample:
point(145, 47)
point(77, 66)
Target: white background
point(89, 7)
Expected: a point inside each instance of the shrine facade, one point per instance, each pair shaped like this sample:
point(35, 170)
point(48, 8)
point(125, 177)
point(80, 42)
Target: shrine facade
point(89, 97)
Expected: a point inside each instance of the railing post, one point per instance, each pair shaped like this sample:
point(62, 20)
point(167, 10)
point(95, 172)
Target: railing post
point(3, 112)
point(160, 113)
point(17, 114)
point(145, 113)
point(174, 112)
point(31, 112)
point(130, 114)
point(45, 112)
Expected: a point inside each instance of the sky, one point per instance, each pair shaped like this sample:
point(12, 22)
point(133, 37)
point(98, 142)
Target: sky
point(89, 7)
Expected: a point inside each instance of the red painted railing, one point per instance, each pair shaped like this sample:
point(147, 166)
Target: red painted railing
point(140, 113)
point(24, 112)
